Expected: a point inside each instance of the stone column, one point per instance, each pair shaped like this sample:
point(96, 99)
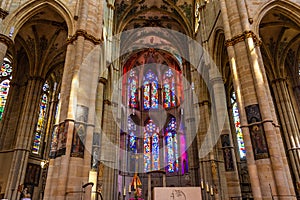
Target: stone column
point(255, 184)
point(78, 104)
point(59, 164)
point(109, 160)
point(268, 172)
point(289, 123)
point(210, 166)
point(223, 128)
point(149, 187)
point(188, 117)
point(5, 43)
point(22, 147)
point(3, 13)
point(98, 124)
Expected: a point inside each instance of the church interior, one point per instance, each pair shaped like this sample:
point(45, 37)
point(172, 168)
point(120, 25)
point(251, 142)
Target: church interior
point(130, 99)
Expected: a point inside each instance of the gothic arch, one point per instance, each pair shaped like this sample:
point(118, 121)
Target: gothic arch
point(278, 26)
point(288, 8)
point(276, 47)
point(221, 59)
point(30, 9)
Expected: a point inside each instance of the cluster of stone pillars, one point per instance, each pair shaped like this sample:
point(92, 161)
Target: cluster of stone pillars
point(269, 176)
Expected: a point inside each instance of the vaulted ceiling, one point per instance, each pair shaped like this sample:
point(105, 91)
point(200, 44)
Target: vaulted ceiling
point(172, 14)
point(40, 45)
point(280, 44)
point(160, 24)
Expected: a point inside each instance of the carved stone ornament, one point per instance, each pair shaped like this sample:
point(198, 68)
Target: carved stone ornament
point(3, 13)
point(6, 40)
point(83, 33)
point(242, 37)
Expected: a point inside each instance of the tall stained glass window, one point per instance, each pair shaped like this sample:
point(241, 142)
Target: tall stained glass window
point(169, 89)
point(5, 77)
point(133, 89)
point(36, 147)
point(150, 91)
point(238, 130)
point(148, 83)
point(172, 146)
point(151, 146)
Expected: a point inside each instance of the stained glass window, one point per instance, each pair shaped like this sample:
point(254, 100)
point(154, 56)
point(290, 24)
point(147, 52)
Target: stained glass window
point(132, 135)
point(151, 147)
point(238, 130)
point(169, 89)
point(36, 147)
point(147, 87)
point(150, 91)
point(6, 69)
point(5, 73)
point(133, 89)
point(172, 146)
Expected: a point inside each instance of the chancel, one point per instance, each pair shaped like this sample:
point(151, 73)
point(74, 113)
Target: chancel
point(150, 100)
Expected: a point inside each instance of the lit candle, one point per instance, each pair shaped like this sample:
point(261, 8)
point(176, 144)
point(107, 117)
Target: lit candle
point(211, 190)
point(207, 187)
point(129, 188)
point(202, 184)
point(124, 192)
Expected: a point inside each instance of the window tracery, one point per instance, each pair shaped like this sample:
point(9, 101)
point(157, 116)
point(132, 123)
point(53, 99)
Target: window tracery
point(152, 89)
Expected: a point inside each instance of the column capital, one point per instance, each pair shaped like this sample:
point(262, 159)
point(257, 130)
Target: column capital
point(109, 5)
point(6, 40)
point(204, 102)
point(277, 80)
point(86, 35)
point(3, 13)
point(242, 37)
point(102, 80)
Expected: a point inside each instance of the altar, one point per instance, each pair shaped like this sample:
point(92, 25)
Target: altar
point(177, 193)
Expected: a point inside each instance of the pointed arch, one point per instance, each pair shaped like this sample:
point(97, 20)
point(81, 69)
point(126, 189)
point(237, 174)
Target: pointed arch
point(288, 8)
point(151, 146)
point(31, 8)
point(133, 84)
point(281, 18)
point(150, 90)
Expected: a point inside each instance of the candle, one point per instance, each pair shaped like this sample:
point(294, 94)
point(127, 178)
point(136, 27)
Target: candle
point(202, 184)
point(124, 192)
point(207, 187)
point(211, 190)
point(129, 188)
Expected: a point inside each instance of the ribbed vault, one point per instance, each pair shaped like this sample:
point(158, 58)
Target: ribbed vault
point(40, 45)
point(281, 38)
